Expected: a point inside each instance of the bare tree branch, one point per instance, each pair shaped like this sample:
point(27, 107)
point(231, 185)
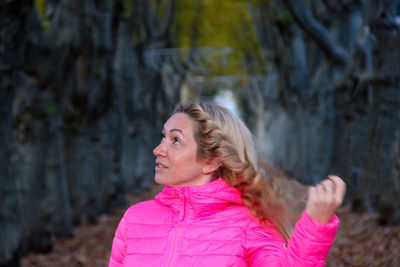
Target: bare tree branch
point(316, 31)
point(340, 5)
point(168, 20)
point(145, 18)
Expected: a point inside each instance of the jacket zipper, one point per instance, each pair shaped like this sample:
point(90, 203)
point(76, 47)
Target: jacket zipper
point(186, 216)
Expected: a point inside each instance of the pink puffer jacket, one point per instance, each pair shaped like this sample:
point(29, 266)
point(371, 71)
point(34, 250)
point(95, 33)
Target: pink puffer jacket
point(208, 225)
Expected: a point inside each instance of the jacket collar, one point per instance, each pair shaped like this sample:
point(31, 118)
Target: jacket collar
point(202, 200)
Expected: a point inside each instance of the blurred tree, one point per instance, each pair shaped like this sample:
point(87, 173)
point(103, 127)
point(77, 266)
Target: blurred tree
point(144, 103)
point(333, 74)
point(13, 15)
point(200, 24)
point(63, 69)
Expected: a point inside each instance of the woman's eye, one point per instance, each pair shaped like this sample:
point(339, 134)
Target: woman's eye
point(176, 141)
point(162, 137)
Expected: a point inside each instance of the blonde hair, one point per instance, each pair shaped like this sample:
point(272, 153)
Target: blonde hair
point(222, 136)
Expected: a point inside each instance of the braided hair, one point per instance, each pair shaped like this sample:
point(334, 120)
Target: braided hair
point(222, 136)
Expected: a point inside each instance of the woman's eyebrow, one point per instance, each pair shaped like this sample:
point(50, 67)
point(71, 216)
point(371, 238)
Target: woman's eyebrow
point(173, 130)
point(177, 130)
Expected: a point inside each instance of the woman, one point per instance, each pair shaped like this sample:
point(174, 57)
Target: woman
point(218, 208)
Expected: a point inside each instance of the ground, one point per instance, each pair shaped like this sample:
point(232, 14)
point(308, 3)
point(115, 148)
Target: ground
point(359, 242)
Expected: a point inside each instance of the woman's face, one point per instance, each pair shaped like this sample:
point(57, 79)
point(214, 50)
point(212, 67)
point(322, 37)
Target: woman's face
point(176, 155)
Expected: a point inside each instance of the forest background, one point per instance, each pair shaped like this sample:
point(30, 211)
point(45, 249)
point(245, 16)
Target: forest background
point(85, 87)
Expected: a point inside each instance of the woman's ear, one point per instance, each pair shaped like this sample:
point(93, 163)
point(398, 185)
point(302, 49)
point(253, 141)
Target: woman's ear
point(211, 166)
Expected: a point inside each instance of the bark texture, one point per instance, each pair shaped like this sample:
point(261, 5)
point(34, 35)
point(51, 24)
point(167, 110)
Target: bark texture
point(80, 114)
point(331, 98)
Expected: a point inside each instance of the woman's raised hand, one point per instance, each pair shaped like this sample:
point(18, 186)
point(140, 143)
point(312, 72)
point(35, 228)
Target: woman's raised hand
point(325, 198)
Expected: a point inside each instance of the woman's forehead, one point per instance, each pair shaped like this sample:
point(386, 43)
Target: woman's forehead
point(179, 121)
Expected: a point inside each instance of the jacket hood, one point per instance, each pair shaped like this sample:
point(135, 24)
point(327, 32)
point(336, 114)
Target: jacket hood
point(203, 199)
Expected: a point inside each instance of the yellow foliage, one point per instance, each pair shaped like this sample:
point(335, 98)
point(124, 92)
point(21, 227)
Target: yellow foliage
point(219, 23)
point(41, 8)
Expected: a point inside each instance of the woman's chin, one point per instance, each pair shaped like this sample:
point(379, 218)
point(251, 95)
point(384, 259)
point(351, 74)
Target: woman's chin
point(159, 180)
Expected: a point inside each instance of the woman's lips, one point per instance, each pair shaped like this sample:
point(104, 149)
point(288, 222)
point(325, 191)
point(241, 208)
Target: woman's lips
point(160, 166)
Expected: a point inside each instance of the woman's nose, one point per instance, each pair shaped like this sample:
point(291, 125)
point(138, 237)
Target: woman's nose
point(159, 151)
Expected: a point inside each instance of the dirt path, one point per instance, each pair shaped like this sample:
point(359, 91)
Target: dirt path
point(360, 242)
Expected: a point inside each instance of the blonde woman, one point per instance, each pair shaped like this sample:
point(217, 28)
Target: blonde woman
point(218, 208)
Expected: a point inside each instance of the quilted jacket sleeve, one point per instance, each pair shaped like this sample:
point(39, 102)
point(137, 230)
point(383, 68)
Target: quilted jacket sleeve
point(308, 246)
point(118, 246)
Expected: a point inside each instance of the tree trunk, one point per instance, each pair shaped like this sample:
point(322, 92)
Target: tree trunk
point(337, 92)
point(381, 184)
point(89, 109)
point(10, 222)
point(143, 102)
point(298, 97)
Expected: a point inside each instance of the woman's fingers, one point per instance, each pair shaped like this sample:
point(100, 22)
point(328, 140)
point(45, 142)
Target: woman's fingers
point(340, 188)
point(329, 186)
point(325, 198)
